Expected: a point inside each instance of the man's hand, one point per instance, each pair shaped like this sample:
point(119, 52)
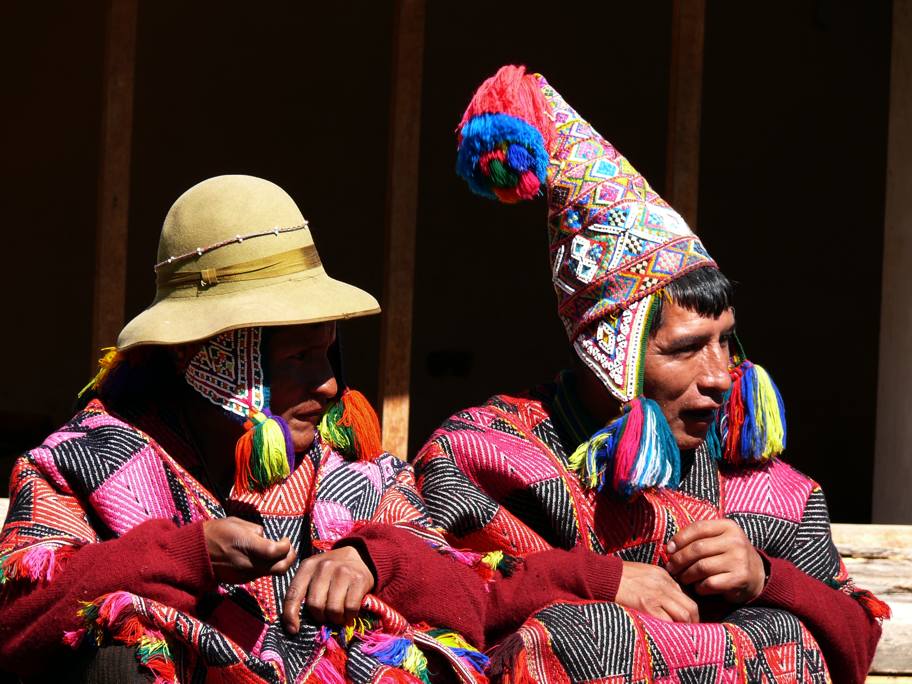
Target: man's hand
point(332, 584)
point(649, 589)
point(240, 552)
point(716, 557)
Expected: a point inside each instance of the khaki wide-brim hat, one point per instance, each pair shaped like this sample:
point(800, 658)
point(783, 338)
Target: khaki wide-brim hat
point(235, 252)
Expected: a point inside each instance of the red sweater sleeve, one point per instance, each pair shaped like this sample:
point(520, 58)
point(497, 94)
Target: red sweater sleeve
point(428, 586)
point(846, 633)
point(157, 560)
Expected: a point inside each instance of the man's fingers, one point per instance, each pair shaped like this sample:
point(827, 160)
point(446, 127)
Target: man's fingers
point(357, 590)
point(697, 530)
point(335, 597)
point(705, 567)
point(715, 584)
point(294, 597)
point(703, 547)
point(317, 593)
point(262, 550)
point(281, 567)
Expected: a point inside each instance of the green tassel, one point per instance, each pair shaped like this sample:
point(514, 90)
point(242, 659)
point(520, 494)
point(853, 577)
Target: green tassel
point(269, 463)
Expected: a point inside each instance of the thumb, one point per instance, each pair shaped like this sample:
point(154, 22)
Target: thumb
point(267, 549)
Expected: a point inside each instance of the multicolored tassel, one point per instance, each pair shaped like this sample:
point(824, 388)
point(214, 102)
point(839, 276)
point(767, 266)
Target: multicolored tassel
point(752, 424)
point(351, 427)
point(113, 614)
point(38, 563)
point(397, 651)
point(505, 136)
point(109, 360)
point(461, 648)
point(634, 452)
point(264, 455)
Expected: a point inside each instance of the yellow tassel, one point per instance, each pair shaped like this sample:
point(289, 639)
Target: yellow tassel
point(269, 464)
point(454, 640)
point(766, 410)
point(492, 559)
point(415, 661)
point(108, 361)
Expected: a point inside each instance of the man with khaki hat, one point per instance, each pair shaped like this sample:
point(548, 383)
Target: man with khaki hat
point(219, 478)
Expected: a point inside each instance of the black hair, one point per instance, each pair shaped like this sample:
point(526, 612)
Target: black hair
point(145, 375)
point(705, 291)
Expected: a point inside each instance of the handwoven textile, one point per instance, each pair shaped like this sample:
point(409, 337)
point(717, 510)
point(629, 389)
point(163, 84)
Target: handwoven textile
point(228, 371)
point(99, 476)
point(496, 477)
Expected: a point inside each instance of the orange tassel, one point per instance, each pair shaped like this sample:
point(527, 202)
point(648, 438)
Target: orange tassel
point(243, 454)
point(359, 415)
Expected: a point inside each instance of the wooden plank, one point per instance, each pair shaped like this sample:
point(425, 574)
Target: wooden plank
point(685, 100)
point(879, 558)
point(892, 455)
point(114, 175)
point(402, 209)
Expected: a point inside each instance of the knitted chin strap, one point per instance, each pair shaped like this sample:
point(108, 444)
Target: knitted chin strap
point(228, 371)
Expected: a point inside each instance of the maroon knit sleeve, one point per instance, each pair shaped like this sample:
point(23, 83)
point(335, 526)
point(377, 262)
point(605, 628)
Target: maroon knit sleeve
point(426, 585)
point(157, 560)
point(847, 634)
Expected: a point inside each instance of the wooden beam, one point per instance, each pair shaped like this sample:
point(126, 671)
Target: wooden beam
point(402, 209)
point(114, 174)
point(892, 453)
point(685, 98)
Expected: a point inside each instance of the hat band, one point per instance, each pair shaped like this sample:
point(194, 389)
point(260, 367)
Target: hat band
point(284, 263)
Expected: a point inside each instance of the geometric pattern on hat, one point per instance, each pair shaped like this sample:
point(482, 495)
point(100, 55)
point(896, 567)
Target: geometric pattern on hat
point(613, 242)
point(228, 371)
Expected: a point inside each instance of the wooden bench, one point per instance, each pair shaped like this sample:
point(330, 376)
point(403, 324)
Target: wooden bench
point(879, 557)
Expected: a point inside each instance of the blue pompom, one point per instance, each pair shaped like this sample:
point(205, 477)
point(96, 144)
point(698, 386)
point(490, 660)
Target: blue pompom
point(520, 151)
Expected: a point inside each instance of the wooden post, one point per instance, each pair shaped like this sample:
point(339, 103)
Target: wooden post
point(402, 207)
point(114, 175)
point(682, 179)
point(893, 443)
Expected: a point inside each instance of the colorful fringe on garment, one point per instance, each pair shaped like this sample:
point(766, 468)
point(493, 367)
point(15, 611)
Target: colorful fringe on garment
point(101, 457)
point(113, 615)
point(36, 563)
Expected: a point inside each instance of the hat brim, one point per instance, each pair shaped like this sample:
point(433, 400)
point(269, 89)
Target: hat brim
point(293, 300)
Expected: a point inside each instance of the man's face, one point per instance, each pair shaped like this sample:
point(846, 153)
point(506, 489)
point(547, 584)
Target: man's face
point(301, 377)
point(687, 370)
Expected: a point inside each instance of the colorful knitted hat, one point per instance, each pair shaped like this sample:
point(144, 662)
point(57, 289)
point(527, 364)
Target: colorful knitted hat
point(613, 244)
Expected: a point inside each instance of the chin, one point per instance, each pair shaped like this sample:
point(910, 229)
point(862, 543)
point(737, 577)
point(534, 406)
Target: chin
point(690, 439)
point(303, 439)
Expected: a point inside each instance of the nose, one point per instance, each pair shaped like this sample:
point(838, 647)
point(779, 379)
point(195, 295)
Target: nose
point(714, 380)
point(327, 389)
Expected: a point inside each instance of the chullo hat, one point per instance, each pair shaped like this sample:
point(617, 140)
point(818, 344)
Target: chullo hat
point(614, 243)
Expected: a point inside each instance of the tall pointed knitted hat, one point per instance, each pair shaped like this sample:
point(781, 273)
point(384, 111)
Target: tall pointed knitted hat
point(614, 243)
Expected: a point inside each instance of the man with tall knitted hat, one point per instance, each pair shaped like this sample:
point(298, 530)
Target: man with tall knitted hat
point(220, 507)
point(660, 446)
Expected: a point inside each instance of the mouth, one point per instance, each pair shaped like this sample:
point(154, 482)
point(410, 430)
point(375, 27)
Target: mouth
point(700, 415)
point(312, 417)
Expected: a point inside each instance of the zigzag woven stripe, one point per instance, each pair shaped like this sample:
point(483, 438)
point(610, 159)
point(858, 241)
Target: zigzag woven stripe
point(634, 280)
